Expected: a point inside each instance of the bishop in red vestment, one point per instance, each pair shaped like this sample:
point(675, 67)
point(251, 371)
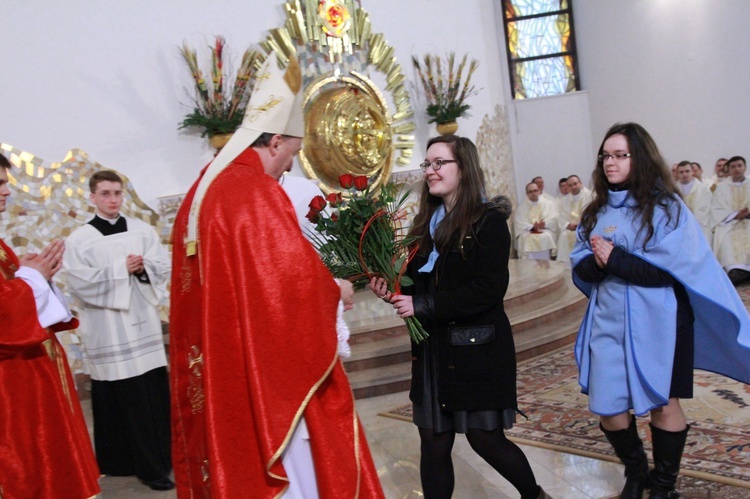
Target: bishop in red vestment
point(45, 448)
point(253, 339)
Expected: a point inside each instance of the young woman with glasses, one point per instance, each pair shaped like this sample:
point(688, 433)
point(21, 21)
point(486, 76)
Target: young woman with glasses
point(464, 374)
point(660, 305)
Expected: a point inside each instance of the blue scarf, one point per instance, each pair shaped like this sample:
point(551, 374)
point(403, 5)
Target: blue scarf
point(437, 217)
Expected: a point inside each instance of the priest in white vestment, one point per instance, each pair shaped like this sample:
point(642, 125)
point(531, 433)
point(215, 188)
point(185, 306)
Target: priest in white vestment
point(570, 209)
point(729, 215)
point(117, 271)
point(697, 197)
point(720, 174)
point(535, 225)
point(539, 181)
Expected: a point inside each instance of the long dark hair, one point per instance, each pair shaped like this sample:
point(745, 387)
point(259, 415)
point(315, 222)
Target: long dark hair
point(649, 181)
point(469, 198)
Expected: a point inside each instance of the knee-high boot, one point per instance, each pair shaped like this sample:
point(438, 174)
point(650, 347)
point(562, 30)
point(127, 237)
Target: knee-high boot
point(668, 447)
point(629, 448)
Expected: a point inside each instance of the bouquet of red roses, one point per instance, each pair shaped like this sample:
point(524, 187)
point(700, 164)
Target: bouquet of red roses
point(362, 236)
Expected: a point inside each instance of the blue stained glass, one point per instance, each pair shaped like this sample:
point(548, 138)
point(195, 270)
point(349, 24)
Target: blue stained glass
point(538, 36)
point(541, 77)
point(543, 39)
point(531, 7)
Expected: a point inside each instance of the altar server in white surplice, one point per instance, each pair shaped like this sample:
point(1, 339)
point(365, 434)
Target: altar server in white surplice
point(117, 271)
point(569, 215)
point(535, 225)
point(729, 215)
point(697, 197)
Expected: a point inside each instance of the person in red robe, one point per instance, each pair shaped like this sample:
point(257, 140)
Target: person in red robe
point(45, 448)
point(253, 346)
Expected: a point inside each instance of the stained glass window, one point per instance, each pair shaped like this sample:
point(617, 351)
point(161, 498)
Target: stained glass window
point(541, 47)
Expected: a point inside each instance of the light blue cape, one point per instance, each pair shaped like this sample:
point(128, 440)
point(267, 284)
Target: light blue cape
point(722, 325)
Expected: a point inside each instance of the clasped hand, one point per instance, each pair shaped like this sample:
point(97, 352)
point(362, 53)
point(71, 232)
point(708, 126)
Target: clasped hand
point(602, 248)
point(48, 262)
point(403, 304)
point(134, 264)
point(539, 226)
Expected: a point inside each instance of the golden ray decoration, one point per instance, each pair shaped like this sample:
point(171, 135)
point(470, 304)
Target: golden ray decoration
point(346, 41)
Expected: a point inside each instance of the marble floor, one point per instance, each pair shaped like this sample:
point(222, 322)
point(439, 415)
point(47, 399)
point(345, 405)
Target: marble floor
point(395, 448)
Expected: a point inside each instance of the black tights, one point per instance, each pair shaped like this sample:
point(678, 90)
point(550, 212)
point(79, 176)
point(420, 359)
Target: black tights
point(436, 465)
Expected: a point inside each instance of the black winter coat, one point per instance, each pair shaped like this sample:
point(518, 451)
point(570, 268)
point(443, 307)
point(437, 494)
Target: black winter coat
point(465, 292)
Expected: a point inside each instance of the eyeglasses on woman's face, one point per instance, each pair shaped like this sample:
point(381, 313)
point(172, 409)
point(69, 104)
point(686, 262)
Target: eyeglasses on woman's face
point(620, 156)
point(435, 164)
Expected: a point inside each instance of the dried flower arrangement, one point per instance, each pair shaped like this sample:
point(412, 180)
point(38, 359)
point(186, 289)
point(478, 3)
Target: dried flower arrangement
point(446, 88)
point(219, 108)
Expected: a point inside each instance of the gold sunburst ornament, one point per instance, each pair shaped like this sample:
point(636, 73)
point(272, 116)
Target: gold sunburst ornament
point(351, 124)
point(359, 139)
point(335, 17)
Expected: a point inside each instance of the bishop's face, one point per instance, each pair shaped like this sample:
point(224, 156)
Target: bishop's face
point(4, 190)
point(282, 153)
point(107, 198)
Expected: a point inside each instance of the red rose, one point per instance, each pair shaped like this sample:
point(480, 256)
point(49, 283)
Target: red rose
point(334, 217)
point(317, 204)
point(313, 216)
point(346, 180)
point(335, 199)
point(360, 182)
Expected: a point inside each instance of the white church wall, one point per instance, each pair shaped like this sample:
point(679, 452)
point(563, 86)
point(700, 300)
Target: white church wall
point(680, 68)
point(553, 139)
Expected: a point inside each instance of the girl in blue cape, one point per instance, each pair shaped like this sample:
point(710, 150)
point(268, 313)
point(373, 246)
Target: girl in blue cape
point(660, 305)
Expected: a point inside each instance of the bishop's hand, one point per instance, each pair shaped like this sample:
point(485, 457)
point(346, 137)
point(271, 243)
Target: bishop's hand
point(48, 262)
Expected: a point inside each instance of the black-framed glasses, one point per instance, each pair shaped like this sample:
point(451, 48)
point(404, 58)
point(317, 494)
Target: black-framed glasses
point(617, 156)
point(435, 164)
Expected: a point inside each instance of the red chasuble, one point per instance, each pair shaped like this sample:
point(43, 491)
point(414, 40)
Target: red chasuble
point(45, 449)
point(253, 348)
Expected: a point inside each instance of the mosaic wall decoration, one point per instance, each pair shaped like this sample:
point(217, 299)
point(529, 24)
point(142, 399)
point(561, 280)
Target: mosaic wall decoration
point(49, 201)
point(496, 157)
point(496, 154)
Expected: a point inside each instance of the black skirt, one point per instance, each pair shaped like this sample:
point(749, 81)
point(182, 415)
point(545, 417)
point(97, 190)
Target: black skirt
point(428, 414)
point(684, 360)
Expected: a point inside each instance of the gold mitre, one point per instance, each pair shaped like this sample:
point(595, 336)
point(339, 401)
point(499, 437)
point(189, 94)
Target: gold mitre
point(275, 106)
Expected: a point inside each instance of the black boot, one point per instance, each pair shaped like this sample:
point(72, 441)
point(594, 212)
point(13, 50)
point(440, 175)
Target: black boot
point(738, 276)
point(668, 447)
point(629, 448)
